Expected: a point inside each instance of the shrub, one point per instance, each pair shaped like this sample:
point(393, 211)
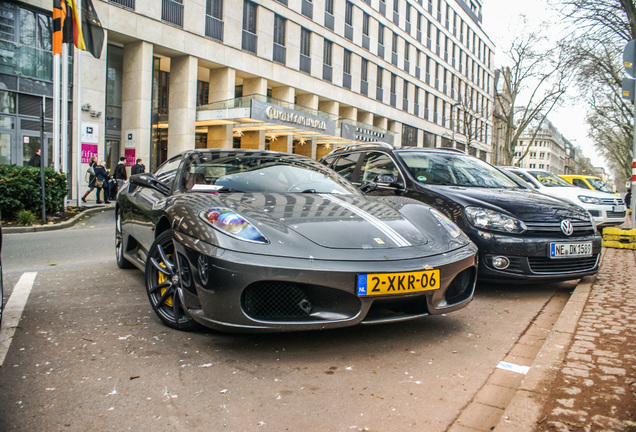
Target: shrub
point(25, 217)
point(20, 190)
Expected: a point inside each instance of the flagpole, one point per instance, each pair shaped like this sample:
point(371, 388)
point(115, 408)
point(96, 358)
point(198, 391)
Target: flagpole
point(56, 112)
point(64, 110)
point(77, 103)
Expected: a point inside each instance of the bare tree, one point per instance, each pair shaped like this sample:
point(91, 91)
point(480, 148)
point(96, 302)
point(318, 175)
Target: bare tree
point(530, 87)
point(600, 30)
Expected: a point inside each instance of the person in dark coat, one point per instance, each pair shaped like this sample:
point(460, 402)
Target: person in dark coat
point(35, 160)
point(137, 168)
point(101, 179)
point(628, 199)
point(91, 177)
point(120, 172)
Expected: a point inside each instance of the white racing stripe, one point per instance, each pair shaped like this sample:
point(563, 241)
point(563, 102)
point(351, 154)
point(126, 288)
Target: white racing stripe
point(387, 230)
point(13, 311)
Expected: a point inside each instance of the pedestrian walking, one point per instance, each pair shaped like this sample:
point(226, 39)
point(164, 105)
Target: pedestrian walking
point(628, 199)
point(35, 160)
point(101, 179)
point(120, 172)
point(137, 168)
point(91, 176)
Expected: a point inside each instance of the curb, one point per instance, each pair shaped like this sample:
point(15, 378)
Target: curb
point(526, 406)
point(52, 227)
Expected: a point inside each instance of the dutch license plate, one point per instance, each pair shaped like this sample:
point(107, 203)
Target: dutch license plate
point(566, 250)
point(398, 283)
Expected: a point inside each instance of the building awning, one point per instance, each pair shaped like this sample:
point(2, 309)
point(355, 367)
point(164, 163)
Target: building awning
point(279, 118)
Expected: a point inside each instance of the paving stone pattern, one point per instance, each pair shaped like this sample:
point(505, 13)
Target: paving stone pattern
point(595, 388)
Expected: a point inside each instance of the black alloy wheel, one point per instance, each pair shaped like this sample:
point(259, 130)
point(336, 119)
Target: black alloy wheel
point(163, 284)
point(122, 262)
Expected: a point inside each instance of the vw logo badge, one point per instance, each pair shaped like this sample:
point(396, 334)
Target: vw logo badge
point(566, 227)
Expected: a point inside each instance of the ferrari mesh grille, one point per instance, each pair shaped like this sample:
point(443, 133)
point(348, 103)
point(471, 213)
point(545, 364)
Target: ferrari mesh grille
point(273, 300)
point(546, 265)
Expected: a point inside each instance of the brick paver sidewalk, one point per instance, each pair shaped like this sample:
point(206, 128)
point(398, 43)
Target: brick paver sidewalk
point(585, 375)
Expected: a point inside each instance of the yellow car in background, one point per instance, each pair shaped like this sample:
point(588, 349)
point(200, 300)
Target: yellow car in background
point(588, 182)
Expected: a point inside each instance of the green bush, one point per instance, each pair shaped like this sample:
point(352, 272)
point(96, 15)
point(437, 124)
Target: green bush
point(20, 190)
point(25, 217)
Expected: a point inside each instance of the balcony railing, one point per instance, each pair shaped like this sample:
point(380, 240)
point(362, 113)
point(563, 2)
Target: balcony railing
point(364, 88)
point(346, 80)
point(329, 21)
point(128, 4)
point(327, 72)
point(348, 32)
point(305, 64)
point(172, 12)
point(250, 41)
point(214, 28)
point(307, 9)
point(280, 53)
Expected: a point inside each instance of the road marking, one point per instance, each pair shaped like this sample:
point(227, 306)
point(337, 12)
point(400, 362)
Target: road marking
point(13, 311)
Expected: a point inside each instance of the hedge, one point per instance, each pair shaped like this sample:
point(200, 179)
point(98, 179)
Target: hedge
point(20, 189)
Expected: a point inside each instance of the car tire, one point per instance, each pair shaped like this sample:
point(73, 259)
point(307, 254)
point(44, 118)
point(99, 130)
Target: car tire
point(122, 262)
point(163, 284)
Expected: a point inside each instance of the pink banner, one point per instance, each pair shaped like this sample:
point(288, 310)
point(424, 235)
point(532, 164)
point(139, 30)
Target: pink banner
point(88, 151)
point(130, 156)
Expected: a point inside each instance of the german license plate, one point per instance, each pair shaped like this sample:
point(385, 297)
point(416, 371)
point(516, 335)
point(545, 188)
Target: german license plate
point(398, 283)
point(617, 209)
point(566, 250)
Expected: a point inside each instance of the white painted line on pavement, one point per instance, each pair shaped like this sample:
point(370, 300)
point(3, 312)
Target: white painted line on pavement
point(13, 311)
point(513, 367)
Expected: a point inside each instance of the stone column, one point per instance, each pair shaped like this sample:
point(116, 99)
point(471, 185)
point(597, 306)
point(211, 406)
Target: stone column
point(309, 148)
point(283, 143)
point(182, 104)
point(137, 98)
point(222, 84)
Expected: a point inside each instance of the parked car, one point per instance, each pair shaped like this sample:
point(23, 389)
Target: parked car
point(521, 235)
point(588, 182)
point(606, 209)
point(245, 240)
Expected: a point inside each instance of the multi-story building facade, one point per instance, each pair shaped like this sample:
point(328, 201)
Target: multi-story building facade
point(299, 76)
point(543, 149)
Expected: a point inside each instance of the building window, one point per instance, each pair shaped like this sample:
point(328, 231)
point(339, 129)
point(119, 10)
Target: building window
point(364, 70)
point(349, 20)
point(346, 69)
point(393, 89)
point(329, 6)
point(280, 51)
point(172, 12)
point(394, 50)
point(327, 70)
point(329, 18)
point(381, 40)
point(214, 19)
point(409, 136)
point(307, 8)
point(26, 37)
point(305, 50)
point(379, 93)
point(249, 26)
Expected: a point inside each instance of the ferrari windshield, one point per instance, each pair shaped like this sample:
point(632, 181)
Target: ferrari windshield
point(263, 172)
point(454, 169)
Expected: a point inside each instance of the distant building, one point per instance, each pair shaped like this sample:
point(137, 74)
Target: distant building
point(542, 148)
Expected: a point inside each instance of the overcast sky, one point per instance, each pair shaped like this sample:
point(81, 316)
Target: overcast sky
point(501, 20)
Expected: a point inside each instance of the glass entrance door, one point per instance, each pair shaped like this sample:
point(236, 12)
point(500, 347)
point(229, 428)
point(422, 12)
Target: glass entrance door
point(30, 143)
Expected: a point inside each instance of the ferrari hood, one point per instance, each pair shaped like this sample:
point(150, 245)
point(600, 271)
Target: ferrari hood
point(347, 222)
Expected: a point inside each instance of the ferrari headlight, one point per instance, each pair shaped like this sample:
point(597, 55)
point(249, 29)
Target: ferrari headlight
point(589, 199)
point(229, 222)
point(450, 226)
point(493, 220)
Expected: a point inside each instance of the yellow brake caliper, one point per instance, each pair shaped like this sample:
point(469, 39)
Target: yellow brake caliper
point(161, 278)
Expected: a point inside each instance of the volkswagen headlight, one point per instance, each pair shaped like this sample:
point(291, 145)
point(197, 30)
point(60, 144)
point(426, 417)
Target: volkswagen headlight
point(231, 223)
point(495, 221)
point(589, 200)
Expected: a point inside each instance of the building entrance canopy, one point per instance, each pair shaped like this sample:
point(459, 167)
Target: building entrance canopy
point(278, 118)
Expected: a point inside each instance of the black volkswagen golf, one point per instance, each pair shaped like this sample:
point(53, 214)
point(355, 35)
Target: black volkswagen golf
point(521, 234)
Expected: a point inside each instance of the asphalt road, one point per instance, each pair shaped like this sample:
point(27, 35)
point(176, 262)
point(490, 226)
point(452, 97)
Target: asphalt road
point(89, 354)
